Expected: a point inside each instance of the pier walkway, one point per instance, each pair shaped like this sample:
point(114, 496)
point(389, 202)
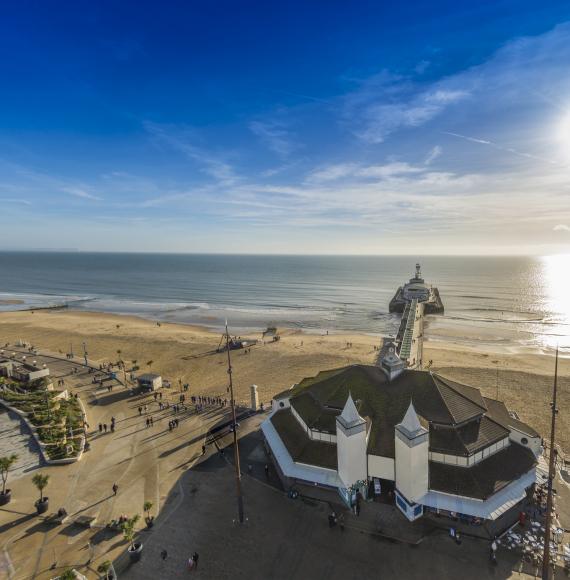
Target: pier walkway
point(409, 340)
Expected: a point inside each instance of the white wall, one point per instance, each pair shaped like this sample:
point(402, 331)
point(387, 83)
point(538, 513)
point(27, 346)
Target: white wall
point(412, 470)
point(276, 404)
point(381, 467)
point(533, 443)
point(471, 460)
point(351, 455)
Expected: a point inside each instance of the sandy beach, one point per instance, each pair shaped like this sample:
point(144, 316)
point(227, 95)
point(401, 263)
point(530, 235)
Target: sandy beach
point(187, 354)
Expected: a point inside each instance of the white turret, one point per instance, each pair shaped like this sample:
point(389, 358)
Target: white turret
point(412, 454)
point(391, 363)
point(351, 441)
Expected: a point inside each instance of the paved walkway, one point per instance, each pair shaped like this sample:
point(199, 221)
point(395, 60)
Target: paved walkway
point(287, 539)
point(145, 462)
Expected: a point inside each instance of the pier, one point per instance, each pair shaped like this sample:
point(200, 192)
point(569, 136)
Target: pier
point(409, 340)
point(414, 300)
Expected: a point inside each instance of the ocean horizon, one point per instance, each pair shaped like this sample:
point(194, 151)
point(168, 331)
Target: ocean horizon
point(506, 302)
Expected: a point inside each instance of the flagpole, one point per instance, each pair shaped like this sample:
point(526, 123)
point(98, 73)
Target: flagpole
point(234, 422)
point(551, 465)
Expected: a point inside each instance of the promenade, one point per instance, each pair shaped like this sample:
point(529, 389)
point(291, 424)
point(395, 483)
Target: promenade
point(145, 462)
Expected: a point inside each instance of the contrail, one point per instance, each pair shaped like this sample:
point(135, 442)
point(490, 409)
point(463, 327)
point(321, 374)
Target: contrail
point(500, 148)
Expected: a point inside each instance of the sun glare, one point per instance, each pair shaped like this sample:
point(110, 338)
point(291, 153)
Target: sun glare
point(556, 279)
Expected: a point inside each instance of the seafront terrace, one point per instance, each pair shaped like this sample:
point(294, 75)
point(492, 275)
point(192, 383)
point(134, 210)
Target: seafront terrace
point(145, 463)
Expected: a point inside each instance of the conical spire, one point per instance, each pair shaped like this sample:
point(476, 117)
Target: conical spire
point(410, 424)
point(350, 417)
point(350, 412)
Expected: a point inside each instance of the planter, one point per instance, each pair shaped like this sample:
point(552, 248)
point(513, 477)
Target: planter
point(42, 506)
point(135, 551)
point(5, 497)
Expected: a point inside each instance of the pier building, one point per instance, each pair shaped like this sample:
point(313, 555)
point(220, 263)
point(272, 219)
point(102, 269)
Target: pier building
point(417, 289)
point(428, 443)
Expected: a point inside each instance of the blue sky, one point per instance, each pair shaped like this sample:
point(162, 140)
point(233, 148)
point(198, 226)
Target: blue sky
point(256, 127)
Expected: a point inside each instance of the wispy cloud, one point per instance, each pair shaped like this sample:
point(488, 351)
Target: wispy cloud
point(561, 228)
point(81, 192)
point(275, 135)
point(386, 103)
point(433, 155)
point(356, 170)
point(14, 200)
point(180, 139)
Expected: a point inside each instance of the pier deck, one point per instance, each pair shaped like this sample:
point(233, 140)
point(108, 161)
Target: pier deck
point(409, 341)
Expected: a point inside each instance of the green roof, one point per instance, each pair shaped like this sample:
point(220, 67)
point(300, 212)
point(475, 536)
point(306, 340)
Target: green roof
point(318, 400)
point(301, 448)
point(484, 479)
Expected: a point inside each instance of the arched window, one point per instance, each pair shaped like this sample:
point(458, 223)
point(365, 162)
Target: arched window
point(524, 441)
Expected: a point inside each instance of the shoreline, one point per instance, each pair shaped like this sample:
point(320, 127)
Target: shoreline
point(184, 353)
point(435, 344)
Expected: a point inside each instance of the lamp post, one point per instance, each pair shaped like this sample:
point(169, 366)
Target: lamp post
point(85, 353)
point(551, 473)
point(234, 422)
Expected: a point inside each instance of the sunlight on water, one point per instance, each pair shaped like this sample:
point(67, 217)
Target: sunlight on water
point(556, 280)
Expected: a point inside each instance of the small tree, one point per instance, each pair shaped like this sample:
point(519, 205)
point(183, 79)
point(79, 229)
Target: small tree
point(40, 480)
point(128, 529)
point(5, 466)
point(68, 574)
point(147, 507)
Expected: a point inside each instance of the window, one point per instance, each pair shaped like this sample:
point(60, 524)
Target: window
point(282, 404)
point(524, 441)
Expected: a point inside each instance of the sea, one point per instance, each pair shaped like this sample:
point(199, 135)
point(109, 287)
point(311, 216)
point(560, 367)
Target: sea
point(506, 303)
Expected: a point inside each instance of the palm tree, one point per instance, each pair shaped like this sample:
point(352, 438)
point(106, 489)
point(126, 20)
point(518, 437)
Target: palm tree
point(40, 480)
point(128, 528)
point(5, 466)
point(147, 506)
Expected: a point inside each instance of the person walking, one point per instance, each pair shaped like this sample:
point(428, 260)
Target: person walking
point(266, 471)
point(100, 427)
point(105, 427)
point(164, 554)
point(195, 558)
point(140, 410)
point(115, 489)
point(151, 422)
